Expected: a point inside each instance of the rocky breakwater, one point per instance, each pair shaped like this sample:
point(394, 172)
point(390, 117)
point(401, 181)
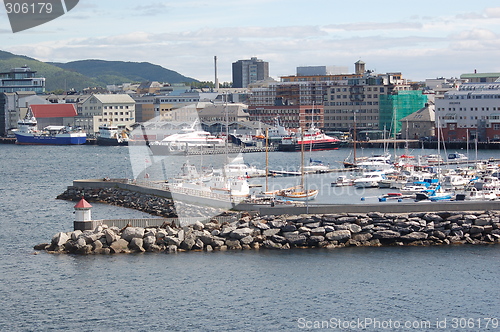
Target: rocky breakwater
point(285, 232)
point(154, 205)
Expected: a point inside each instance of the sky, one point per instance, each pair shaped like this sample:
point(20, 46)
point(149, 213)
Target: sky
point(421, 39)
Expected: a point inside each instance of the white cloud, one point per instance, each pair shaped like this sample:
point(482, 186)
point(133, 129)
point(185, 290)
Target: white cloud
point(370, 26)
point(475, 34)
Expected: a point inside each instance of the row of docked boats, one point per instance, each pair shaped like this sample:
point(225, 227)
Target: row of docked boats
point(28, 133)
point(426, 181)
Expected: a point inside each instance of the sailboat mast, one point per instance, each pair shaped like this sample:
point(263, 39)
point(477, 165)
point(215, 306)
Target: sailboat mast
point(354, 137)
point(267, 159)
point(302, 159)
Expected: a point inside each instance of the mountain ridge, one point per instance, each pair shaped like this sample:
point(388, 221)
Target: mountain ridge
point(81, 74)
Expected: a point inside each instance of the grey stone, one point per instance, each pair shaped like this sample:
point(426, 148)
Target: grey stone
point(226, 230)
point(440, 235)
point(132, 232)
point(278, 239)
point(241, 233)
point(262, 226)
point(60, 238)
point(188, 243)
point(318, 231)
point(362, 237)
point(338, 235)
point(297, 239)
point(316, 238)
point(246, 240)
point(286, 234)
point(270, 232)
point(198, 244)
point(119, 246)
point(313, 225)
point(268, 244)
point(172, 240)
point(206, 238)
point(137, 244)
point(346, 220)
point(415, 236)
point(171, 249)
point(149, 241)
point(181, 234)
point(276, 223)
point(354, 228)
point(386, 234)
point(482, 222)
point(233, 244)
point(476, 229)
point(289, 228)
point(75, 234)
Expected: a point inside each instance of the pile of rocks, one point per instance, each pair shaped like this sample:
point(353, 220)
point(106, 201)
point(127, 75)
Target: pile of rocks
point(284, 232)
point(154, 205)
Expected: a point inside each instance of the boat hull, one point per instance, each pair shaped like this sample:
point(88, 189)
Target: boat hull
point(59, 139)
point(309, 146)
point(110, 142)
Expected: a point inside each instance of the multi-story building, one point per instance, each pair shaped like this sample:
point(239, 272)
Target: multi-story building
point(472, 110)
point(419, 124)
point(102, 109)
point(21, 79)
point(329, 101)
point(379, 102)
point(249, 71)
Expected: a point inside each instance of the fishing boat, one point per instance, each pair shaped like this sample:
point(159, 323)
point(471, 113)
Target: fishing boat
point(111, 135)
point(28, 133)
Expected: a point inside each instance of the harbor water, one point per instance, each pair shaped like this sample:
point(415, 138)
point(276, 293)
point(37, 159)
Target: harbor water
point(447, 288)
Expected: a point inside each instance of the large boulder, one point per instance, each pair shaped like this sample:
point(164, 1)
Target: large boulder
point(241, 233)
point(119, 246)
point(60, 238)
point(342, 235)
point(132, 232)
point(386, 234)
point(415, 236)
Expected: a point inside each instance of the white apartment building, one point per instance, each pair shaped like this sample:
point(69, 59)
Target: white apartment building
point(101, 109)
point(471, 110)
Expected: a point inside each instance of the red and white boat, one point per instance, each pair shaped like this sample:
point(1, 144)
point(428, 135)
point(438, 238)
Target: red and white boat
point(311, 139)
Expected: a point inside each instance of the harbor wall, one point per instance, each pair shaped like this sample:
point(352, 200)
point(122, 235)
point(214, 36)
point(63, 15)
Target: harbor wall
point(328, 231)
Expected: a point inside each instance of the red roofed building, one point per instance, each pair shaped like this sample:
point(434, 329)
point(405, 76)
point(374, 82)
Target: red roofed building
point(54, 114)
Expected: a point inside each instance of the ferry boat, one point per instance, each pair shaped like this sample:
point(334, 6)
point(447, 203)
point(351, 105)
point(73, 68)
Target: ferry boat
point(311, 139)
point(28, 133)
point(187, 139)
point(112, 135)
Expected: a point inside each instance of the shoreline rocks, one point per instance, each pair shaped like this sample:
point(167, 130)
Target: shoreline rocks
point(286, 232)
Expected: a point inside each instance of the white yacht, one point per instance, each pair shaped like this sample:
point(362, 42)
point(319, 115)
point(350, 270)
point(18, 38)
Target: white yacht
point(369, 180)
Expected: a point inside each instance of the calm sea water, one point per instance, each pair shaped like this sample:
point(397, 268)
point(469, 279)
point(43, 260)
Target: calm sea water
point(220, 291)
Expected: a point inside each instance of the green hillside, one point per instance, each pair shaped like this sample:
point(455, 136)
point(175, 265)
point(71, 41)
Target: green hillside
point(91, 73)
point(55, 77)
point(117, 72)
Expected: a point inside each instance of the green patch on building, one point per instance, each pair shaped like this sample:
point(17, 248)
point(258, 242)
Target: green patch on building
point(394, 107)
